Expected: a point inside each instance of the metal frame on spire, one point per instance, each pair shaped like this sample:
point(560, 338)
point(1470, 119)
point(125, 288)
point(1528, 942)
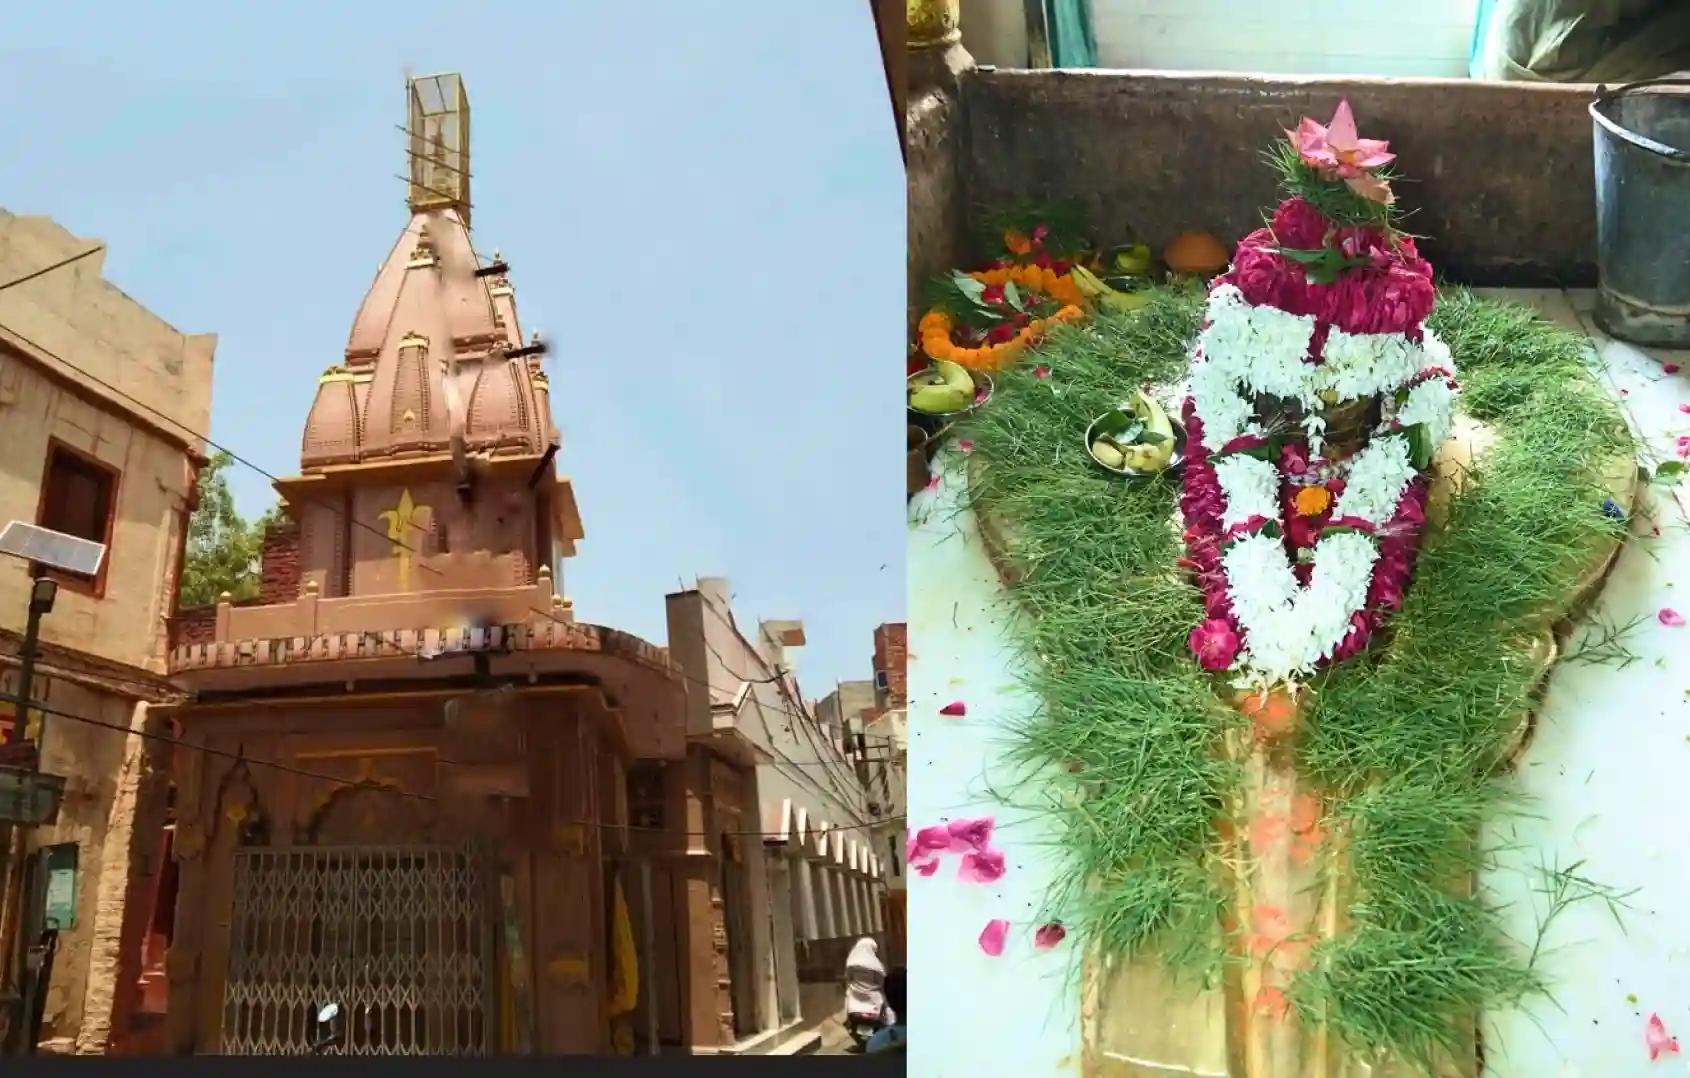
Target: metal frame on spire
point(437, 127)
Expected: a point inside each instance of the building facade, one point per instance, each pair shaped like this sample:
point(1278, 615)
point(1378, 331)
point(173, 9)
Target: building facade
point(403, 783)
point(101, 403)
point(778, 877)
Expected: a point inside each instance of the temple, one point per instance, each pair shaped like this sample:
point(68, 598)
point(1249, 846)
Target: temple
point(405, 784)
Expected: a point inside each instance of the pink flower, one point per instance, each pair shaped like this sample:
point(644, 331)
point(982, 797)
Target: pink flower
point(1214, 643)
point(1670, 617)
point(927, 867)
point(1243, 443)
point(1684, 408)
point(993, 935)
point(1298, 225)
point(1335, 149)
point(956, 709)
point(971, 835)
point(1049, 936)
point(1041, 372)
point(1654, 1035)
point(982, 866)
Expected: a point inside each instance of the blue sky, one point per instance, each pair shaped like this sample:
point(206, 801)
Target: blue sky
point(703, 208)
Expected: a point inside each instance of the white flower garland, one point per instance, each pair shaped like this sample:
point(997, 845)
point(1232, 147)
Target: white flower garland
point(1251, 487)
point(1431, 403)
point(1246, 350)
point(1356, 365)
point(1379, 475)
point(1289, 630)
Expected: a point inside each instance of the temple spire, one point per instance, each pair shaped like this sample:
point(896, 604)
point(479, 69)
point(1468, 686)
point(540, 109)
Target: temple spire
point(437, 134)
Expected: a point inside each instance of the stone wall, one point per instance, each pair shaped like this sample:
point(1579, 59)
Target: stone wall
point(1502, 176)
point(891, 650)
point(279, 575)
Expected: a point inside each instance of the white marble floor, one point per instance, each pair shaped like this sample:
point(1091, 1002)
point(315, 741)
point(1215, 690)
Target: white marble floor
point(1608, 771)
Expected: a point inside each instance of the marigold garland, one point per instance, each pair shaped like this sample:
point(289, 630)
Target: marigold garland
point(935, 327)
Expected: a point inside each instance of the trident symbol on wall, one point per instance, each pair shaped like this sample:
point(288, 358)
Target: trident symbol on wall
point(400, 520)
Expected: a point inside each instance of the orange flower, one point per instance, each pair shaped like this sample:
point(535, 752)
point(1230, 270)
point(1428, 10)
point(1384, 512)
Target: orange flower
point(1312, 501)
point(1016, 242)
point(935, 326)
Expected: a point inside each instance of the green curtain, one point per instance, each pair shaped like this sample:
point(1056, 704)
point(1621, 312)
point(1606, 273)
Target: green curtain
point(1068, 22)
point(1583, 40)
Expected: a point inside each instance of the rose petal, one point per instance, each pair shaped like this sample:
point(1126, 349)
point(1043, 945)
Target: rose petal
point(971, 835)
point(1670, 368)
point(1041, 371)
point(956, 709)
point(1049, 936)
point(925, 868)
point(1671, 617)
point(964, 445)
point(982, 866)
point(929, 840)
point(1684, 408)
point(933, 481)
point(1655, 1035)
point(993, 935)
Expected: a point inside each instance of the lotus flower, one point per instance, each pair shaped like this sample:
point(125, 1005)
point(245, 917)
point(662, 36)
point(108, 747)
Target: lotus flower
point(1335, 149)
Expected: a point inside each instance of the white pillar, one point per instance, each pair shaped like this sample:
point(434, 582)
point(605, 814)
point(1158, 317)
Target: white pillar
point(762, 956)
point(841, 902)
point(805, 923)
point(827, 924)
point(785, 943)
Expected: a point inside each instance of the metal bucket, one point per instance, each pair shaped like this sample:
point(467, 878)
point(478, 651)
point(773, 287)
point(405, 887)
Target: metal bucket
point(1643, 212)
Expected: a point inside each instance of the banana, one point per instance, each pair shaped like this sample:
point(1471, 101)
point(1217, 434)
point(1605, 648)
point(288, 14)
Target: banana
point(940, 400)
point(1153, 456)
point(956, 376)
point(1088, 283)
point(1093, 288)
point(1108, 454)
point(1124, 302)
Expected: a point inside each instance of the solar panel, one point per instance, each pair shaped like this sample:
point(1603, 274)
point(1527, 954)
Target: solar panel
point(54, 549)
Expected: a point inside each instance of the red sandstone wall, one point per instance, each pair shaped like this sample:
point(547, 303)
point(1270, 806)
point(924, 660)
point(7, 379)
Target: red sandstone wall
point(279, 579)
point(891, 655)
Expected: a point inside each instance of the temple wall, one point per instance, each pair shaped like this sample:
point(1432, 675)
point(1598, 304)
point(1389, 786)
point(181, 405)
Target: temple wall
point(1502, 176)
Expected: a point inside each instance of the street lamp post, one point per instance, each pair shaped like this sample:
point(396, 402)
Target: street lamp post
point(43, 591)
point(33, 798)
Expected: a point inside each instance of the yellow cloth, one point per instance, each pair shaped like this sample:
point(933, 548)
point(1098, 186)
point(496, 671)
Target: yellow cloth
point(625, 963)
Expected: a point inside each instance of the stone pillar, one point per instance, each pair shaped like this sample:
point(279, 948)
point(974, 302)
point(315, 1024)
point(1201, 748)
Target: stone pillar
point(702, 968)
point(844, 922)
point(809, 925)
point(762, 945)
point(827, 924)
point(784, 933)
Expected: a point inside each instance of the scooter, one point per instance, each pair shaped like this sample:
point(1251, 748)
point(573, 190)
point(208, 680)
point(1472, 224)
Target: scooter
point(329, 1034)
point(862, 1026)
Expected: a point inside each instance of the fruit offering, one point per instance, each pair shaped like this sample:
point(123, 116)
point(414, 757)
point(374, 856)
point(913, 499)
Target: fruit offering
point(942, 389)
point(1100, 294)
point(1136, 438)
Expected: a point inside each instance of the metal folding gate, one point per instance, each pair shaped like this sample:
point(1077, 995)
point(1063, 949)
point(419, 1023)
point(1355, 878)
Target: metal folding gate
point(401, 937)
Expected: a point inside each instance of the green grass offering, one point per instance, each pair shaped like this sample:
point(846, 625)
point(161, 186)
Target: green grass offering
point(1125, 752)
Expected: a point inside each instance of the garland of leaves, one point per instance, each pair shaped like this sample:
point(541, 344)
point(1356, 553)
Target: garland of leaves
point(1122, 752)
